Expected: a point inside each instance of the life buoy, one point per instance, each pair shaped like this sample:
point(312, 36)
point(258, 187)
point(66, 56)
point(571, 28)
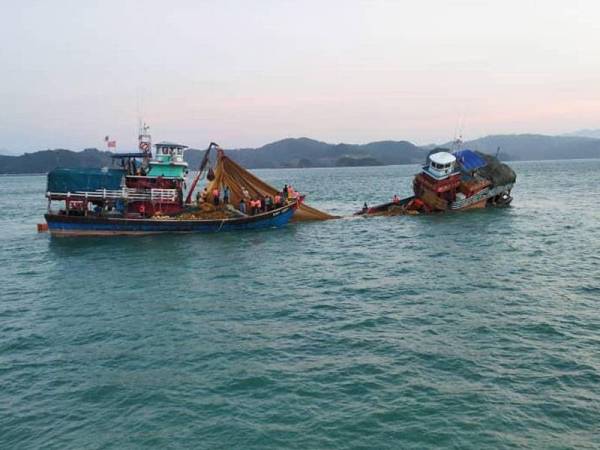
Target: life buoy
point(144, 146)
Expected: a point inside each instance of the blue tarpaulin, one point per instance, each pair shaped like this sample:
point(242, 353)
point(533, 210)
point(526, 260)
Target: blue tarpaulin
point(84, 180)
point(469, 160)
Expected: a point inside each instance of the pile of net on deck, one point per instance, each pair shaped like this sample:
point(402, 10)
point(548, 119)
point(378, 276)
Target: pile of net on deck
point(497, 172)
point(236, 178)
point(486, 166)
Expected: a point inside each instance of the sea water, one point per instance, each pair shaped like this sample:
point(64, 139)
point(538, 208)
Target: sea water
point(468, 330)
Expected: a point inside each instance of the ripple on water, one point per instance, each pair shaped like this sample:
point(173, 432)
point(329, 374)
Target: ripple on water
point(466, 331)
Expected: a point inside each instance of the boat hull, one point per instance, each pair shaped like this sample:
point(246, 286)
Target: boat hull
point(62, 225)
point(383, 209)
point(483, 201)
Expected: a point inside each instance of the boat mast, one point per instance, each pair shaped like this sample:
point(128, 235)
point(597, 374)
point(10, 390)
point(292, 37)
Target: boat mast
point(145, 143)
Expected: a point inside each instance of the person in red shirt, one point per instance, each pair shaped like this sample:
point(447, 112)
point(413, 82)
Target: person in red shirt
point(215, 194)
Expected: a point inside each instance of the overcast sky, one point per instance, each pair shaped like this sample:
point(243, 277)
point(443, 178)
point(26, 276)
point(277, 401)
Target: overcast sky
point(244, 73)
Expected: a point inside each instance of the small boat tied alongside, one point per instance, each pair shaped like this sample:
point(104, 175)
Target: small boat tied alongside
point(145, 195)
point(453, 181)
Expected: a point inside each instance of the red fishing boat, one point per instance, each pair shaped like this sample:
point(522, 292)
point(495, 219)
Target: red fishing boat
point(455, 181)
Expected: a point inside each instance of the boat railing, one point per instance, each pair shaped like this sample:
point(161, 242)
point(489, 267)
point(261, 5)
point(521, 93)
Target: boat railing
point(483, 194)
point(131, 194)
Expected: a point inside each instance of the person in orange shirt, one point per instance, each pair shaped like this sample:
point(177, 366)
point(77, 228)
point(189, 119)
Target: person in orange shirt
point(215, 194)
point(254, 206)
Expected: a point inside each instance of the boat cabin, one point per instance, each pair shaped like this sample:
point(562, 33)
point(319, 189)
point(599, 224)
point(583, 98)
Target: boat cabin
point(168, 162)
point(441, 165)
point(170, 152)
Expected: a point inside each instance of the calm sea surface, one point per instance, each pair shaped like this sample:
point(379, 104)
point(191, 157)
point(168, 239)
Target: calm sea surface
point(474, 330)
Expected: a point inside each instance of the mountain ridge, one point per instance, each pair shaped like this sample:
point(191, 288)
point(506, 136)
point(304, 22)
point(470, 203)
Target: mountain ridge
point(307, 152)
point(593, 133)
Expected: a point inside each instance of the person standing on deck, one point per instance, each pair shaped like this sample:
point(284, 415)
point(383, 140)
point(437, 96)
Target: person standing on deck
point(263, 204)
point(225, 195)
point(242, 207)
point(285, 192)
point(215, 194)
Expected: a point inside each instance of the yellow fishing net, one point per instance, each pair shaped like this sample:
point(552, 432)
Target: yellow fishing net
point(236, 178)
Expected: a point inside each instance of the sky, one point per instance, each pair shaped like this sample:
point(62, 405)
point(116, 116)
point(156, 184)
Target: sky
point(246, 73)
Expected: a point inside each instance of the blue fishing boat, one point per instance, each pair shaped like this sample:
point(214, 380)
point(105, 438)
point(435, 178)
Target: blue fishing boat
point(78, 225)
point(145, 195)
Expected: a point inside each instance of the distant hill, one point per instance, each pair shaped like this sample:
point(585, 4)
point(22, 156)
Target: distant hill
point(304, 152)
point(46, 160)
point(537, 147)
point(590, 133)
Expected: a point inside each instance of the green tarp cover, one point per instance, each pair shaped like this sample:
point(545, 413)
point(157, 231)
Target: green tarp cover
point(77, 180)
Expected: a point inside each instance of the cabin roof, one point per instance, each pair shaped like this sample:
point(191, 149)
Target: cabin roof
point(170, 144)
point(442, 158)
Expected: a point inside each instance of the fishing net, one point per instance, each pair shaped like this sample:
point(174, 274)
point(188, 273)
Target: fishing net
point(237, 179)
point(497, 172)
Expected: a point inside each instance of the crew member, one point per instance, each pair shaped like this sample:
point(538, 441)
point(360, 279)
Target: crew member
point(225, 195)
point(215, 194)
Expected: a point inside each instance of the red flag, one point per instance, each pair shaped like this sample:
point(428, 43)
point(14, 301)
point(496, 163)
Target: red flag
point(112, 144)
